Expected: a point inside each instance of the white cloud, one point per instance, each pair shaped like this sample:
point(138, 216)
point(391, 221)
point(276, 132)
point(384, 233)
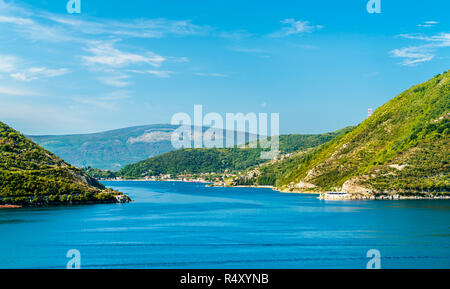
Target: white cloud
point(14, 66)
point(211, 74)
point(307, 46)
point(428, 24)
point(116, 81)
point(104, 53)
point(413, 55)
point(8, 63)
point(140, 28)
point(11, 91)
point(117, 95)
point(15, 20)
point(21, 22)
point(160, 73)
point(293, 27)
point(246, 50)
point(34, 73)
point(103, 104)
point(41, 25)
point(157, 73)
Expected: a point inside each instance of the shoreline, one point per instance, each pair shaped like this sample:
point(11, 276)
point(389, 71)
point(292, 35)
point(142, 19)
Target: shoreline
point(145, 180)
point(10, 207)
point(321, 195)
point(253, 186)
point(383, 198)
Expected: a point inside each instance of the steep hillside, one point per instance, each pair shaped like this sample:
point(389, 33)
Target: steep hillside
point(31, 175)
point(403, 148)
point(111, 150)
point(193, 161)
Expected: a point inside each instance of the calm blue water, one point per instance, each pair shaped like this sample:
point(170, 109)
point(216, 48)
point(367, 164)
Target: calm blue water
point(187, 225)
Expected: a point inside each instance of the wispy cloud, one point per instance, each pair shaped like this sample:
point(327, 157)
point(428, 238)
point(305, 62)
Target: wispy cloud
point(104, 53)
point(246, 50)
point(8, 63)
point(42, 25)
point(139, 28)
point(14, 67)
point(294, 27)
point(115, 80)
point(34, 73)
point(15, 20)
point(156, 73)
point(414, 55)
point(11, 91)
point(307, 46)
point(234, 35)
point(100, 103)
point(117, 95)
point(23, 22)
point(428, 24)
point(211, 74)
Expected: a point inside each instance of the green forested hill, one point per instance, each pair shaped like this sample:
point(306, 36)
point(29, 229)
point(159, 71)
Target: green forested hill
point(31, 175)
point(218, 160)
point(403, 148)
point(112, 150)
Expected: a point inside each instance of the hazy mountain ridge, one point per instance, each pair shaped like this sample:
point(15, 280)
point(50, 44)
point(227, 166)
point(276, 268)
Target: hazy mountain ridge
point(218, 160)
point(114, 149)
point(108, 150)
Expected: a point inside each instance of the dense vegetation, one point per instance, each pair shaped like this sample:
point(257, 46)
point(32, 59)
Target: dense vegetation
point(99, 174)
point(217, 160)
point(112, 150)
point(403, 148)
point(30, 175)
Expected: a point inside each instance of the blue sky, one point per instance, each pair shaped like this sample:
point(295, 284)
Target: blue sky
point(320, 64)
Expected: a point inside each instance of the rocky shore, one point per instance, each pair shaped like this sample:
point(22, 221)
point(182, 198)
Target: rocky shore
point(372, 196)
point(109, 197)
point(10, 207)
point(325, 196)
point(396, 197)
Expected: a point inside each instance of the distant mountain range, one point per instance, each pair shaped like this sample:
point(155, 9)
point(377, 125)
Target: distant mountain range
point(402, 149)
point(218, 160)
point(112, 150)
point(33, 176)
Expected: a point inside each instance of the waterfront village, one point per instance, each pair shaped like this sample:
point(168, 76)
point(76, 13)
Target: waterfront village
point(215, 179)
